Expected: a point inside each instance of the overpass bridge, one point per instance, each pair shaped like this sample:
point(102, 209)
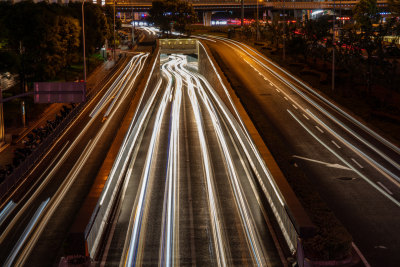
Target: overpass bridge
point(131, 8)
point(213, 5)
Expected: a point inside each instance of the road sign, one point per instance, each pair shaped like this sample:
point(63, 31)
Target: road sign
point(59, 92)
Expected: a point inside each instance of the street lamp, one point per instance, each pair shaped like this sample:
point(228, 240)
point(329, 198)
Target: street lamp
point(257, 23)
point(284, 30)
point(242, 14)
point(333, 47)
point(115, 1)
point(83, 39)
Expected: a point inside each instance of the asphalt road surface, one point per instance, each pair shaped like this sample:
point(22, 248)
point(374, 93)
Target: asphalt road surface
point(355, 170)
point(189, 196)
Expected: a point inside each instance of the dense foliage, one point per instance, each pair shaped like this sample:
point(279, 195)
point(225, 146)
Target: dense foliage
point(361, 51)
point(172, 14)
point(40, 41)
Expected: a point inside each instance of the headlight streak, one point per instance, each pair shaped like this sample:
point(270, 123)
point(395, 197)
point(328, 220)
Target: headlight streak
point(249, 141)
point(116, 86)
point(381, 169)
point(28, 229)
point(138, 214)
point(138, 68)
point(218, 234)
point(345, 162)
point(169, 244)
point(367, 158)
point(384, 171)
point(321, 109)
point(244, 129)
point(245, 141)
point(54, 202)
point(244, 211)
point(6, 210)
point(128, 143)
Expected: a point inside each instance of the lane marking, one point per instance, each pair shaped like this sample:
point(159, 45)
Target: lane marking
point(384, 187)
point(319, 129)
point(304, 115)
point(358, 164)
point(331, 165)
point(333, 142)
point(383, 170)
point(363, 259)
point(286, 98)
point(265, 78)
point(295, 106)
point(379, 189)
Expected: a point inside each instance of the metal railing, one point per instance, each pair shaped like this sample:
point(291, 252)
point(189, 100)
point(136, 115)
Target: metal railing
point(20, 172)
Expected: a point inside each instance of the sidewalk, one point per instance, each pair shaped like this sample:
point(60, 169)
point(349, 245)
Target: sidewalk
point(19, 133)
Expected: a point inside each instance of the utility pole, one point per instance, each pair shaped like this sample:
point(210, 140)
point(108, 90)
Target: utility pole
point(284, 30)
point(115, 1)
point(257, 27)
point(333, 47)
point(242, 15)
point(83, 40)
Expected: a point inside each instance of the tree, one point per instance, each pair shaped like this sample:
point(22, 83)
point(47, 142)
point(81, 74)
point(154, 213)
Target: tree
point(366, 13)
point(69, 32)
point(171, 13)
point(394, 7)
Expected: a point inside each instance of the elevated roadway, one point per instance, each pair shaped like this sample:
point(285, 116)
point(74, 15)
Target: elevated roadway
point(204, 5)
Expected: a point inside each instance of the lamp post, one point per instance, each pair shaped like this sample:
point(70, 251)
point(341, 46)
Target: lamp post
point(333, 47)
point(257, 24)
point(115, 1)
point(83, 39)
point(242, 14)
point(284, 30)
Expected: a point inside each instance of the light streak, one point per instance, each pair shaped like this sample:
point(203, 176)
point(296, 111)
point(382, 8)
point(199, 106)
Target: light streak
point(317, 106)
point(346, 162)
point(28, 229)
point(139, 209)
point(245, 214)
point(6, 210)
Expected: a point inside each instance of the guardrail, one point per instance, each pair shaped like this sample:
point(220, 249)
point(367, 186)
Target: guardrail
point(18, 173)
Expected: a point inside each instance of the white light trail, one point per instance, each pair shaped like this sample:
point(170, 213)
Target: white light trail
point(346, 162)
point(219, 237)
point(140, 205)
point(28, 229)
point(6, 210)
point(242, 47)
point(244, 211)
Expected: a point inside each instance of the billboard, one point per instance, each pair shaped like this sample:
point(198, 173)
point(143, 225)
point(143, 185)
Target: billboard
point(59, 92)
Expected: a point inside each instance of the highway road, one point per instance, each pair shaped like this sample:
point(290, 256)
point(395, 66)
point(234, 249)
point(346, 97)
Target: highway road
point(355, 170)
point(189, 195)
point(34, 222)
